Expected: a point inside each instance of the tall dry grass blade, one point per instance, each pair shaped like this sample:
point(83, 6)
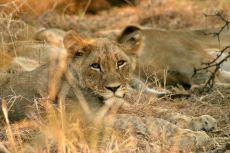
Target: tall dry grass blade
point(57, 69)
point(78, 93)
point(97, 124)
point(3, 148)
point(165, 77)
point(105, 115)
point(62, 141)
point(86, 7)
point(9, 132)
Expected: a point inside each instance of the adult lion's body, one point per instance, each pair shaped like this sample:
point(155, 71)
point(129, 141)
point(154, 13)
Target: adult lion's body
point(172, 56)
point(175, 61)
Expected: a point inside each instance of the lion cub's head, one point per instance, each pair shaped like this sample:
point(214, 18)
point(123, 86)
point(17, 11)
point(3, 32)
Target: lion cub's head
point(102, 65)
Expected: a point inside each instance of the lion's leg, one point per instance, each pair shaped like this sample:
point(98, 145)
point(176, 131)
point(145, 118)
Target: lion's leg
point(204, 122)
point(224, 76)
point(163, 132)
point(140, 86)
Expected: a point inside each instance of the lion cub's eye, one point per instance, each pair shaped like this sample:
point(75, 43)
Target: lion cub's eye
point(121, 63)
point(95, 66)
point(78, 54)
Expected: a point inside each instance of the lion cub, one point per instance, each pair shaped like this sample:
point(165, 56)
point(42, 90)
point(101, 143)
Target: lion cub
point(100, 68)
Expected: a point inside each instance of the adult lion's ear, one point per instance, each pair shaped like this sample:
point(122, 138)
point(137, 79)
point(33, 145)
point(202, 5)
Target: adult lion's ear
point(74, 44)
point(131, 38)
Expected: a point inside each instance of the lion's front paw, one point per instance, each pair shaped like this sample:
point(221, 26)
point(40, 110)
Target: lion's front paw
point(188, 140)
point(157, 93)
point(204, 122)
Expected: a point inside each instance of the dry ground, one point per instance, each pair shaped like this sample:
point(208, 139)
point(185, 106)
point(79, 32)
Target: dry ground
point(169, 14)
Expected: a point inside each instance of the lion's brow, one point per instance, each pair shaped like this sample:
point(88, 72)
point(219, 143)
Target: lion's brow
point(106, 45)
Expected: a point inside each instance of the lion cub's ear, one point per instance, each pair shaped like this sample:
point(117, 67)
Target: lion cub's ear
point(131, 38)
point(74, 44)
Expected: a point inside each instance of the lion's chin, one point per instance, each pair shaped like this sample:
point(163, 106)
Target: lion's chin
point(113, 95)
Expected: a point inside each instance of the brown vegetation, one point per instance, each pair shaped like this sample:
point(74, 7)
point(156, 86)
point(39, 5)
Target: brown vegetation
point(4, 59)
point(60, 131)
point(36, 8)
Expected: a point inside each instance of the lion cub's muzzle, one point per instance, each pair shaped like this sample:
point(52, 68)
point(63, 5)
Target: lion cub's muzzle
point(114, 90)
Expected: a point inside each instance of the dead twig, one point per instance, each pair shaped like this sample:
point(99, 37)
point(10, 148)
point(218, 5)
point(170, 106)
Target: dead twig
point(218, 61)
point(220, 16)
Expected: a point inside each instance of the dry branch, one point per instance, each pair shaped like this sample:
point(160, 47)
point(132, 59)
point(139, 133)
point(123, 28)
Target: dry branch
point(217, 61)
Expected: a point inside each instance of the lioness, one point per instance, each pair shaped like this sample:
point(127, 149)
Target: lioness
point(172, 56)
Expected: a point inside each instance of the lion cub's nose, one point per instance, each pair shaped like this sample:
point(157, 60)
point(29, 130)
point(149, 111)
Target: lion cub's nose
point(113, 88)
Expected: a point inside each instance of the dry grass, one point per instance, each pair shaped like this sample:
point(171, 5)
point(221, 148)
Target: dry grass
point(179, 14)
point(34, 8)
point(6, 59)
point(58, 131)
